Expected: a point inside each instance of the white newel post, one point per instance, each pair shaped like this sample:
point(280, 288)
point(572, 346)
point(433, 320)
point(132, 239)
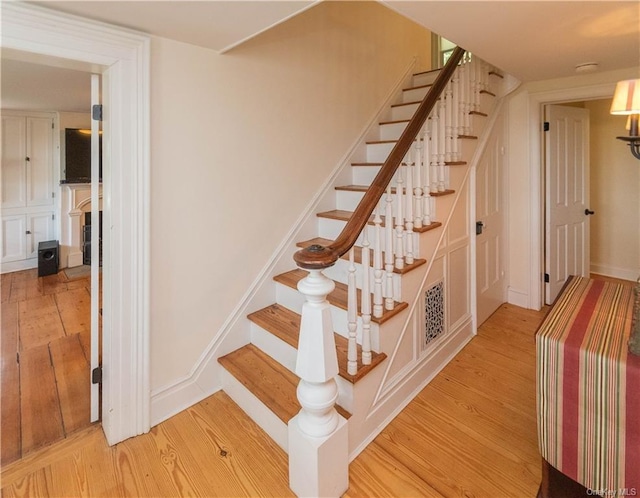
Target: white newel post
point(318, 437)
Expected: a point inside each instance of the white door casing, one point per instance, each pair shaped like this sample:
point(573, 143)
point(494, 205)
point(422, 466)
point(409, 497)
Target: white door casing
point(95, 246)
point(491, 284)
point(567, 196)
point(122, 57)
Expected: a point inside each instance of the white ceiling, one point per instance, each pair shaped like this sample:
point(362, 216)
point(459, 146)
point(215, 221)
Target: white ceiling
point(532, 40)
point(536, 40)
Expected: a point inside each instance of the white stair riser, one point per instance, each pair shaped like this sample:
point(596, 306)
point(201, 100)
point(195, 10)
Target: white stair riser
point(378, 152)
point(415, 94)
point(364, 175)
point(403, 112)
point(392, 131)
point(258, 411)
point(425, 78)
point(286, 355)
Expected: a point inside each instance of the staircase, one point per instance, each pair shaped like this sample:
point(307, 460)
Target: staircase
point(377, 304)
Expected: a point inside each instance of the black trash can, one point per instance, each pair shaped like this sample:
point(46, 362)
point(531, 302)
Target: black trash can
point(48, 258)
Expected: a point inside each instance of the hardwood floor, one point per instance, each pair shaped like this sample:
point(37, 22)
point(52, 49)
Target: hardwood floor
point(471, 432)
point(44, 391)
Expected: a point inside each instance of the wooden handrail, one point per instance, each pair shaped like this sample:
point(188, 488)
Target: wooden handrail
point(317, 257)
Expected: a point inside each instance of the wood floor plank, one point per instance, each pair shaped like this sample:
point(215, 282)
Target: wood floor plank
point(74, 307)
point(71, 371)
point(24, 288)
point(39, 322)
point(451, 441)
point(10, 446)
point(5, 286)
point(39, 403)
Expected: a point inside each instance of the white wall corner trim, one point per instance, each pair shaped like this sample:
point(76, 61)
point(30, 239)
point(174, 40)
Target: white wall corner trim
point(122, 57)
point(205, 377)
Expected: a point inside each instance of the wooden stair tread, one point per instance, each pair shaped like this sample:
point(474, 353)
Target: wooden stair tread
point(495, 73)
point(268, 380)
point(488, 92)
point(339, 296)
point(364, 188)
point(342, 215)
point(358, 254)
point(468, 137)
point(428, 71)
point(447, 163)
point(376, 142)
point(478, 113)
point(394, 122)
point(406, 103)
point(417, 87)
point(285, 324)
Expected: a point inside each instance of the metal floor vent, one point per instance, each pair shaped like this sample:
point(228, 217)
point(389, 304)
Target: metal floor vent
point(434, 312)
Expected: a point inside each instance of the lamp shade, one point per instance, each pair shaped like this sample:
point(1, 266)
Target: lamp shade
point(626, 100)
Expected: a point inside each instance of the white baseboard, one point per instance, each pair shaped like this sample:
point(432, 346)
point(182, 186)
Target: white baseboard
point(23, 264)
point(74, 259)
point(616, 272)
point(517, 297)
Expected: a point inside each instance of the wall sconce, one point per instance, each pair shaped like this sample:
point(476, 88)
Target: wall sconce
point(626, 101)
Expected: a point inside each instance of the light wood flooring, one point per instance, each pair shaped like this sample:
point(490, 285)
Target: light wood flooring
point(44, 390)
point(471, 432)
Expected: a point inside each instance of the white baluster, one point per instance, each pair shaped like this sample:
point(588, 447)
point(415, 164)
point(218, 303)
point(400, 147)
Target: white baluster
point(435, 132)
point(426, 199)
point(441, 145)
point(378, 306)
point(399, 251)
point(468, 96)
point(388, 251)
point(456, 115)
point(317, 362)
point(365, 306)
point(448, 120)
point(417, 191)
point(409, 209)
point(352, 316)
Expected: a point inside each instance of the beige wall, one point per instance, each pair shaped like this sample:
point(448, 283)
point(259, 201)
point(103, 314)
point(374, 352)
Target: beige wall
point(615, 196)
point(240, 143)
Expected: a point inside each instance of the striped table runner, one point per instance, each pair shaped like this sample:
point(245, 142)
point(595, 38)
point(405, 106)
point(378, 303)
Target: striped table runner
point(588, 386)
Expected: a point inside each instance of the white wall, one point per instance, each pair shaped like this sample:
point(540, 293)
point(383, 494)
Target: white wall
point(240, 143)
point(525, 173)
point(615, 196)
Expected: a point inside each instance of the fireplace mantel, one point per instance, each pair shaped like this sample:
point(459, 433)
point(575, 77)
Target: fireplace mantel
point(76, 200)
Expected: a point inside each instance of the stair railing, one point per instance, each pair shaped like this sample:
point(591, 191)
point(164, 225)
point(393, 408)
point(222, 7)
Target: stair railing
point(317, 257)
point(418, 163)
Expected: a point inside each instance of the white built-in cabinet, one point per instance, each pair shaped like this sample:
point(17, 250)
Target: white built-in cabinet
point(27, 187)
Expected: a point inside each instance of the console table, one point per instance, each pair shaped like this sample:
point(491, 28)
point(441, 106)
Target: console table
point(588, 392)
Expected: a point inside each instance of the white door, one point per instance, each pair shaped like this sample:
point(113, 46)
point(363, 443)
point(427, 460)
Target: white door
point(490, 225)
point(567, 196)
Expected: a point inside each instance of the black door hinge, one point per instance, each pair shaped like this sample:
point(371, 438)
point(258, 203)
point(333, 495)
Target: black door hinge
point(546, 126)
point(546, 278)
point(96, 112)
point(96, 375)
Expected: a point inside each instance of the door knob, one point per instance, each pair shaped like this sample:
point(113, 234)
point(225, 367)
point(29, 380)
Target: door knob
point(479, 227)
point(28, 232)
point(589, 212)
